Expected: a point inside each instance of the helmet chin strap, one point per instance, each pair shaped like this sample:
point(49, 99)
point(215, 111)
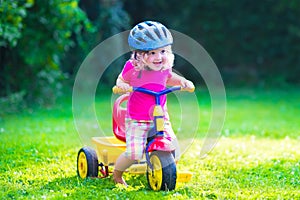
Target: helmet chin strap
point(148, 68)
point(140, 74)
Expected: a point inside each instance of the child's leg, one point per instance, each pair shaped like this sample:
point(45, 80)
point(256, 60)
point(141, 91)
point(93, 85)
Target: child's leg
point(136, 136)
point(122, 164)
point(169, 133)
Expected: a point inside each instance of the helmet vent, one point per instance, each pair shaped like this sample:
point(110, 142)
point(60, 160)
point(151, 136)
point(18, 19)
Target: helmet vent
point(157, 33)
point(149, 23)
point(149, 35)
point(165, 31)
point(140, 27)
point(141, 39)
point(133, 32)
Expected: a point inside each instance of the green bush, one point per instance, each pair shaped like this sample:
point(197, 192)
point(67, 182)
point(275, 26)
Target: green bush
point(35, 36)
point(43, 42)
point(11, 21)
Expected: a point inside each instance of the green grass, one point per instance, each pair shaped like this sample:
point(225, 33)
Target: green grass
point(257, 157)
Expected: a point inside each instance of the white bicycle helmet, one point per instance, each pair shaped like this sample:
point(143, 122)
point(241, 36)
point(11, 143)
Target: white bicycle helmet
point(149, 35)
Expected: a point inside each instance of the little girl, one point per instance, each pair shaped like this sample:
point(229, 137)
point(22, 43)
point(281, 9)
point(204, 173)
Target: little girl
point(150, 67)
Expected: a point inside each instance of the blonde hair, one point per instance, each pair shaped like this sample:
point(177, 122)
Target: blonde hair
point(138, 59)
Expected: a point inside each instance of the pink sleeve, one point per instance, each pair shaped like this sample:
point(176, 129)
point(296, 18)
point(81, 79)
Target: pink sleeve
point(128, 67)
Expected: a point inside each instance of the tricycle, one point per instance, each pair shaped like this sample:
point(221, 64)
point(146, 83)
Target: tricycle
point(159, 163)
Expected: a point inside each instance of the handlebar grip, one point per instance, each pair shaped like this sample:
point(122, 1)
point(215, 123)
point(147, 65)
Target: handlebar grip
point(117, 90)
point(188, 89)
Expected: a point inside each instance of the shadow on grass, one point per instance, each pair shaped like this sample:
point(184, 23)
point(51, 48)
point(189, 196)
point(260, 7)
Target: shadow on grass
point(97, 188)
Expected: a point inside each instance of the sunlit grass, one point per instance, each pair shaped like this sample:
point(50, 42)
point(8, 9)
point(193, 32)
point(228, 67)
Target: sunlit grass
point(257, 156)
point(247, 168)
point(264, 113)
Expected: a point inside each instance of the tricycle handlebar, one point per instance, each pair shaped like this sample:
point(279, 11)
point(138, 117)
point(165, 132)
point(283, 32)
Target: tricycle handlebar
point(117, 90)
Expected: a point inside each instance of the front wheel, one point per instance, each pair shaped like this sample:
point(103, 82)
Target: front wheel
point(163, 174)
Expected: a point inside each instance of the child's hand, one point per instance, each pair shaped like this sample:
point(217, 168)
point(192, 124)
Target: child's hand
point(124, 86)
point(187, 84)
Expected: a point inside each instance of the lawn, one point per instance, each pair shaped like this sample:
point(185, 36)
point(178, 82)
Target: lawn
point(256, 157)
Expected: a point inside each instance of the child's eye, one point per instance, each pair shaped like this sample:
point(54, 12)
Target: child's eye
point(152, 53)
point(163, 51)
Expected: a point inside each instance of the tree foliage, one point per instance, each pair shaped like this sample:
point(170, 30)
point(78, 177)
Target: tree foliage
point(35, 35)
point(250, 42)
point(12, 15)
point(42, 42)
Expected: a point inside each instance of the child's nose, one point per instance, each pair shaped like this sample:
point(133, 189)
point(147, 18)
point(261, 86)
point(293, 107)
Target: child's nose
point(158, 56)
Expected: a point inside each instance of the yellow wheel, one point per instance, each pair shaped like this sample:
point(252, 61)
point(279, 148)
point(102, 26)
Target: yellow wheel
point(82, 166)
point(162, 175)
point(87, 163)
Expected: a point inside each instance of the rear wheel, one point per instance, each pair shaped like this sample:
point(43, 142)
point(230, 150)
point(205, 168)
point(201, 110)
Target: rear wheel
point(87, 163)
point(163, 174)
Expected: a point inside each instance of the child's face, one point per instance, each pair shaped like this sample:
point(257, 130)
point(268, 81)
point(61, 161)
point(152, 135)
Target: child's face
point(156, 59)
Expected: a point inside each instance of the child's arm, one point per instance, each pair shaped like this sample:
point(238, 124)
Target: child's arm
point(175, 79)
point(122, 84)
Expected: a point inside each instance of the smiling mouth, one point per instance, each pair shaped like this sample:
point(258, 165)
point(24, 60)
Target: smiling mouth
point(157, 63)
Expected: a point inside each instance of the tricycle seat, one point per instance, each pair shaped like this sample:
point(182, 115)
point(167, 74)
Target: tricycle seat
point(119, 115)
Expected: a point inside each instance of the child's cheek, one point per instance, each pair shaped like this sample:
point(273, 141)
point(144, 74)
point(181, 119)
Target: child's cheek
point(147, 60)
